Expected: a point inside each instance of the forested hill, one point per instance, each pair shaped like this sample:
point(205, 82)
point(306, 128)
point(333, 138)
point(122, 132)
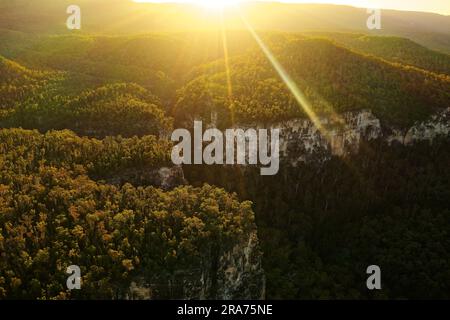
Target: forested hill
point(70, 197)
point(338, 75)
point(53, 215)
point(157, 61)
point(12, 73)
point(40, 100)
point(393, 49)
point(333, 78)
point(20, 85)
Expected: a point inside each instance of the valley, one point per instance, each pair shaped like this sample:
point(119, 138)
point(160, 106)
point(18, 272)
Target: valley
point(87, 177)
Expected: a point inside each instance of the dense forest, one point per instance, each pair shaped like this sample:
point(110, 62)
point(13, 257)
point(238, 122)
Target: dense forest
point(393, 49)
point(53, 215)
point(321, 225)
point(333, 78)
point(79, 112)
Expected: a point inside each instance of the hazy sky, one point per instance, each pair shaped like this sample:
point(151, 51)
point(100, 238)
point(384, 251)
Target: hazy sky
point(439, 6)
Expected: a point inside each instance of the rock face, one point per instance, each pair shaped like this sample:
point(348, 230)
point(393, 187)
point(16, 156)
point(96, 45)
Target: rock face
point(168, 178)
point(437, 126)
point(240, 274)
point(236, 274)
point(165, 178)
point(302, 141)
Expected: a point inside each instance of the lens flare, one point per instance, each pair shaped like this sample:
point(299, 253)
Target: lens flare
point(215, 4)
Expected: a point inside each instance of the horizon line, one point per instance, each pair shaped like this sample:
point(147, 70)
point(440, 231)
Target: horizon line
point(294, 2)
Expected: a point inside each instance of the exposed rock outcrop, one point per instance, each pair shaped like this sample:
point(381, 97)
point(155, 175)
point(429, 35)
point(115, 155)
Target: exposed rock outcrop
point(235, 274)
point(164, 177)
point(240, 274)
point(302, 141)
point(437, 126)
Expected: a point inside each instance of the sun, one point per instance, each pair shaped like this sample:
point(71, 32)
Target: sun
point(210, 4)
point(215, 4)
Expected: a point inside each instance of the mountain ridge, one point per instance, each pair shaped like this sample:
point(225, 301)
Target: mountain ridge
point(429, 29)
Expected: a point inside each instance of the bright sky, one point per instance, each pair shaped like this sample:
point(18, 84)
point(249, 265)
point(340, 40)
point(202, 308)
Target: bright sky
point(438, 6)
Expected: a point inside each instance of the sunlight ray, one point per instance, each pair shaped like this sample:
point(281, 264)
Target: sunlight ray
point(227, 64)
point(299, 96)
point(297, 93)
